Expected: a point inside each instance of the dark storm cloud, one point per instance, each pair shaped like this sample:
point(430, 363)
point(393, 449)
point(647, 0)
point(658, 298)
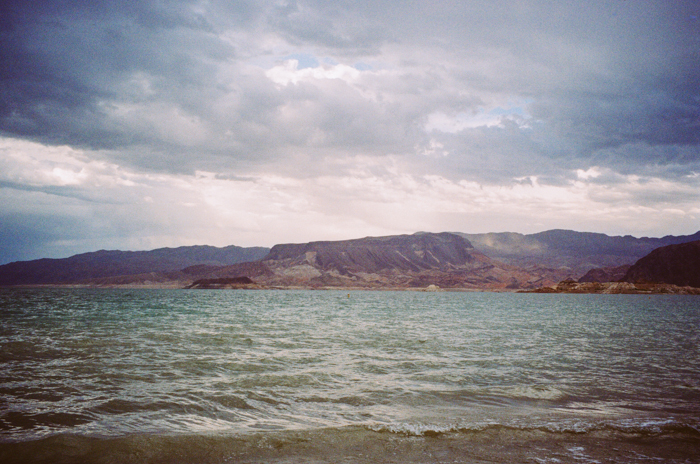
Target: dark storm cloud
point(62, 59)
point(343, 27)
point(603, 75)
point(598, 75)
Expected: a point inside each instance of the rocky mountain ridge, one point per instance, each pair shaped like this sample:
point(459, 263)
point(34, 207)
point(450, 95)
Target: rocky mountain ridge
point(420, 260)
point(401, 261)
point(106, 264)
point(577, 251)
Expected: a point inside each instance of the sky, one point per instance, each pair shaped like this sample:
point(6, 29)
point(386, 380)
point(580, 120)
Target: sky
point(136, 125)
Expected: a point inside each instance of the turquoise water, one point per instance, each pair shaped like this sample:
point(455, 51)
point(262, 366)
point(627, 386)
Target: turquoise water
point(111, 375)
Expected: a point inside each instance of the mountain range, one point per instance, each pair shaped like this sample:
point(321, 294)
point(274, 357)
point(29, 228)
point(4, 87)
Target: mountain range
point(104, 264)
point(400, 261)
point(490, 261)
point(577, 251)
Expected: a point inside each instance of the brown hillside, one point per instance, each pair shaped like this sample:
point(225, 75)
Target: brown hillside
point(673, 264)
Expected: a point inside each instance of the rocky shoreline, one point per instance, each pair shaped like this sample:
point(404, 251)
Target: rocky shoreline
point(571, 286)
point(561, 287)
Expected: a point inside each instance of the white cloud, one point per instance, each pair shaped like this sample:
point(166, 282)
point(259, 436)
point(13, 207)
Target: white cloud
point(432, 149)
point(481, 117)
point(121, 208)
point(590, 173)
point(35, 165)
point(289, 73)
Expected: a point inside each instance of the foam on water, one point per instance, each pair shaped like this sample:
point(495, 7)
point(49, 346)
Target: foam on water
point(555, 425)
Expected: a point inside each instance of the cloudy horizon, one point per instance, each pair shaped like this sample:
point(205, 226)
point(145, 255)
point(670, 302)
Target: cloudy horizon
point(143, 124)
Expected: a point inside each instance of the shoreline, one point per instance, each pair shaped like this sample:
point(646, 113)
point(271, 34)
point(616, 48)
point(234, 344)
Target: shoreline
point(568, 287)
point(616, 288)
point(497, 444)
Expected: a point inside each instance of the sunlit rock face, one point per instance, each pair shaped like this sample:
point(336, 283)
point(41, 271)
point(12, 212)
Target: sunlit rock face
point(420, 260)
point(373, 254)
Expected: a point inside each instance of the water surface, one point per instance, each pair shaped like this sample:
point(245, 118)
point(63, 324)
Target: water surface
point(94, 375)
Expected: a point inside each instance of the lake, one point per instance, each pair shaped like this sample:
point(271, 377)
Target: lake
point(196, 376)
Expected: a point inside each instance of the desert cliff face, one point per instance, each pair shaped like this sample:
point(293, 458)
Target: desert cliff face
point(403, 261)
point(375, 254)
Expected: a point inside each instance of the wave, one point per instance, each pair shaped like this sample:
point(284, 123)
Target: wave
point(358, 401)
point(643, 441)
point(573, 426)
point(536, 392)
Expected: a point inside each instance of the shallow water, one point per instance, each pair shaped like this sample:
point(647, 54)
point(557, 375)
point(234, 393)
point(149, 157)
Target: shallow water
point(93, 375)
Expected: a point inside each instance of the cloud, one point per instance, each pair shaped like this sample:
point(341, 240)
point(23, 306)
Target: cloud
point(58, 201)
point(105, 105)
point(150, 79)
